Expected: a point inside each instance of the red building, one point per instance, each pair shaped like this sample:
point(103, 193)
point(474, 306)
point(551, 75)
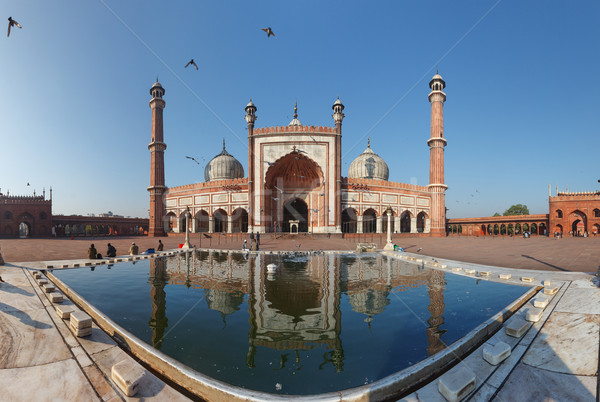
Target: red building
point(25, 216)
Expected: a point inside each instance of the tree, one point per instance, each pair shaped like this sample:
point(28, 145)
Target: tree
point(517, 209)
point(496, 214)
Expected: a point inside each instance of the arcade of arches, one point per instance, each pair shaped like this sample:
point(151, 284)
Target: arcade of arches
point(370, 222)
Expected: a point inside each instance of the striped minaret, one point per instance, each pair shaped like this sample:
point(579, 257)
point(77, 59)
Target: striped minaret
point(437, 143)
point(157, 163)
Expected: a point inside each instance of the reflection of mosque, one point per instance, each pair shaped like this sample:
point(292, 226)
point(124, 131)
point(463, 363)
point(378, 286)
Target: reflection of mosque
point(300, 308)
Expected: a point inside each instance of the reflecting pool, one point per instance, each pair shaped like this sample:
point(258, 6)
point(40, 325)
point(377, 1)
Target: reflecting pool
point(318, 324)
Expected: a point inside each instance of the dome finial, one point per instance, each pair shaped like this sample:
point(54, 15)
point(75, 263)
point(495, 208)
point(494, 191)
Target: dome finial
point(296, 110)
point(368, 142)
point(223, 144)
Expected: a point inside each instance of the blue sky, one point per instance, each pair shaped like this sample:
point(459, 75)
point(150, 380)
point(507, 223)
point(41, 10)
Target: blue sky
point(521, 110)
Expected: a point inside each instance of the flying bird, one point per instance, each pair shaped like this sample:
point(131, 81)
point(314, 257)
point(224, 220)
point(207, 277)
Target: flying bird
point(194, 159)
point(12, 23)
point(269, 32)
point(193, 63)
point(27, 183)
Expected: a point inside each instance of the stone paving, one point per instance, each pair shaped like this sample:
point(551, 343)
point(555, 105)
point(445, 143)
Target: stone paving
point(555, 359)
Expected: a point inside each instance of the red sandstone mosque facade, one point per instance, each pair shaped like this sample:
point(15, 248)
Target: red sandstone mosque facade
point(295, 183)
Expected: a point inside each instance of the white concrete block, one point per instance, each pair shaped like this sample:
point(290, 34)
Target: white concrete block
point(547, 282)
point(456, 385)
point(456, 269)
point(533, 314)
point(42, 281)
point(56, 297)
point(470, 271)
point(48, 288)
point(64, 312)
point(79, 319)
point(484, 273)
point(550, 291)
point(505, 276)
point(517, 327)
point(64, 265)
point(443, 266)
point(127, 375)
point(528, 279)
point(494, 355)
point(541, 301)
point(37, 275)
point(76, 265)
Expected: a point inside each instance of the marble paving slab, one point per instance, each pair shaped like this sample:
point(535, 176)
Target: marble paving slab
point(568, 343)
point(16, 298)
point(531, 384)
point(580, 300)
point(150, 388)
point(57, 381)
point(29, 338)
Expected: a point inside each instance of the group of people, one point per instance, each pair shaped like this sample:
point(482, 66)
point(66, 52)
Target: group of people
point(254, 242)
point(111, 251)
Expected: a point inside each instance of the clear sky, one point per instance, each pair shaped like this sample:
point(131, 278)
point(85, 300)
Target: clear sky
point(521, 111)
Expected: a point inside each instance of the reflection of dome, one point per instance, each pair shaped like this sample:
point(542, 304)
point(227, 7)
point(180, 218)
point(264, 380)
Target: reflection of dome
point(223, 301)
point(369, 165)
point(370, 302)
point(223, 166)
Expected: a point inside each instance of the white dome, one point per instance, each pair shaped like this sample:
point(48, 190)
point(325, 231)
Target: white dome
point(223, 167)
point(369, 165)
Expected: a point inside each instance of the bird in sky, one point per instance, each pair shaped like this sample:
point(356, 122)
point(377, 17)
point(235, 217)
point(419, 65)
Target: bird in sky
point(12, 23)
point(476, 190)
point(193, 63)
point(269, 32)
point(27, 183)
point(194, 159)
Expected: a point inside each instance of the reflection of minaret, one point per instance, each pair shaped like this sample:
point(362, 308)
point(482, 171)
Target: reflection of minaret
point(436, 308)
point(252, 267)
point(338, 353)
point(158, 281)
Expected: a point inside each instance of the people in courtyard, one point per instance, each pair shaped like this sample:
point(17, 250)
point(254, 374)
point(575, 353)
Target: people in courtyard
point(245, 245)
point(92, 252)
point(111, 251)
point(160, 246)
point(258, 240)
point(134, 249)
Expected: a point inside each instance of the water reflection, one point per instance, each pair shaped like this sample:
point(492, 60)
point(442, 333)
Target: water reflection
point(298, 307)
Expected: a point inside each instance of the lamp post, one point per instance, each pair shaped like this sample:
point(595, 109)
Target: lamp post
point(389, 245)
point(187, 228)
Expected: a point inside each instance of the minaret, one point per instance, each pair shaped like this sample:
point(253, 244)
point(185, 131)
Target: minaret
point(436, 143)
point(338, 116)
point(250, 119)
point(157, 163)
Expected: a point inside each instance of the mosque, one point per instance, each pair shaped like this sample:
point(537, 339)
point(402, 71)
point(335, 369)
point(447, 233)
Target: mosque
point(295, 182)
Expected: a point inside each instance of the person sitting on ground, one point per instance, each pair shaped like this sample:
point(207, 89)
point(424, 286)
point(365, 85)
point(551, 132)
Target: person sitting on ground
point(92, 252)
point(111, 251)
point(134, 249)
point(245, 245)
point(160, 246)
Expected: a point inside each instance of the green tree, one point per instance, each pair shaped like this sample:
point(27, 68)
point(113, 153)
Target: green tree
point(496, 214)
point(517, 209)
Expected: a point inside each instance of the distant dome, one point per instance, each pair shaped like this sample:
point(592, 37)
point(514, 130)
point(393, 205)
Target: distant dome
point(369, 165)
point(222, 167)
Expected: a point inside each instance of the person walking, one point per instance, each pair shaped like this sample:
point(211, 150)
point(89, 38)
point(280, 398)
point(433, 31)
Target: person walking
point(258, 240)
point(160, 246)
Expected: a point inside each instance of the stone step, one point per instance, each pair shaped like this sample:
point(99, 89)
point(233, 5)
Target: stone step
point(505, 276)
point(494, 355)
point(56, 297)
point(79, 320)
point(42, 281)
point(550, 291)
point(48, 288)
point(80, 332)
point(517, 327)
point(127, 375)
point(455, 385)
point(64, 312)
point(533, 314)
point(547, 283)
point(470, 272)
point(540, 301)
point(484, 273)
point(527, 279)
point(456, 269)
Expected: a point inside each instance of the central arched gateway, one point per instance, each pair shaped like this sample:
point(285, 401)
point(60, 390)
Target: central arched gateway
point(294, 190)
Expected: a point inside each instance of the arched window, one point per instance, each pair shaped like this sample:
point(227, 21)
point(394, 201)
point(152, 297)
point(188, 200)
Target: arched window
point(596, 213)
point(559, 213)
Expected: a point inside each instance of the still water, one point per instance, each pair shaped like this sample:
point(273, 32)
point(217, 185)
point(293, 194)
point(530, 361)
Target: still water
point(318, 324)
